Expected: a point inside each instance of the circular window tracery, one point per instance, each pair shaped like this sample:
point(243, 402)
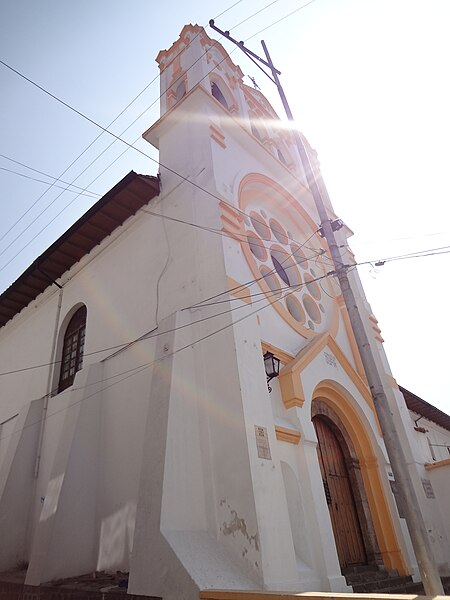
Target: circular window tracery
point(285, 266)
point(277, 231)
point(260, 226)
point(295, 309)
point(312, 309)
point(256, 246)
point(272, 281)
point(299, 256)
point(280, 270)
point(312, 286)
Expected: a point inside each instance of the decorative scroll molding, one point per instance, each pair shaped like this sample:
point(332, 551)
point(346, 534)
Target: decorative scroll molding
point(290, 374)
point(217, 135)
point(438, 464)
point(284, 434)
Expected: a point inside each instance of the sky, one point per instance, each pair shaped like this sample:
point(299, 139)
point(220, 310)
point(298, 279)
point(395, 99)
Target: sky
point(367, 82)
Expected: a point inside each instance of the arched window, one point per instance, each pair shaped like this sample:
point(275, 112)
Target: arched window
point(73, 348)
point(217, 93)
point(181, 91)
point(281, 157)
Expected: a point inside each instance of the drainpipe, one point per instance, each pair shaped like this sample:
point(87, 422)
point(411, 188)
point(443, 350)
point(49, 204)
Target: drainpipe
point(49, 383)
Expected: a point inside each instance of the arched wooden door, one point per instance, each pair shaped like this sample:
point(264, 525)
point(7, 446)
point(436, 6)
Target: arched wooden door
point(338, 491)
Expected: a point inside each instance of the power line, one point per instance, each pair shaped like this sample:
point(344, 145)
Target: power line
point(116, 139)
point(134, 371)
point(241, 286)
point(239, 235)
point(418, 254)
point(77, 158)
point(196, 185)
point(87, 148)
point(145, 336)
point(199, 304)
point(231, 290)
point(148, 335)
point(66, 189)
point(17, 162)
point(279, 20)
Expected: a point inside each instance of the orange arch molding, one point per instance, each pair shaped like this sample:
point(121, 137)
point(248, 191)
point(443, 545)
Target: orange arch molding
point(390, 550)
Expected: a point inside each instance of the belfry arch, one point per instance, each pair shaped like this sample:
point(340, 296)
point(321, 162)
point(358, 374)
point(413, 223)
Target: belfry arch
point(332, 408)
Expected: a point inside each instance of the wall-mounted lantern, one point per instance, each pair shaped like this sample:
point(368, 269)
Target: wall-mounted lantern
point(272, 367)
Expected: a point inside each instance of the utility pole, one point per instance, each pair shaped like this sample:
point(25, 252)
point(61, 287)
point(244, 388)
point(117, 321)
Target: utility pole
point(416, 526)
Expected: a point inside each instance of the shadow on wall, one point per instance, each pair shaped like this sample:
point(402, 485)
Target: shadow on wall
point(116, 539)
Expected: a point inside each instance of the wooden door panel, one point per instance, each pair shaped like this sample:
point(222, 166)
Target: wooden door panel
point(341, 504)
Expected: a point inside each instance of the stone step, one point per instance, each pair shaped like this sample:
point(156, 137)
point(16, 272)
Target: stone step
point(385, 585)
point(365, 576)
point(359, 569)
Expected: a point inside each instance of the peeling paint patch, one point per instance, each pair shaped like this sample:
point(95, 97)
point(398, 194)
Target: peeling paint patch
point(238, 525)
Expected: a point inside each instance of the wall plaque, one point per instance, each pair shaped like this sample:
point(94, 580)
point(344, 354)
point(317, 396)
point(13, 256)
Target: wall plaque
point(262, 442)
point(428, 488)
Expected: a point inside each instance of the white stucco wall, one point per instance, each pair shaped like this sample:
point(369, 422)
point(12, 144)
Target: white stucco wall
point(150, 458)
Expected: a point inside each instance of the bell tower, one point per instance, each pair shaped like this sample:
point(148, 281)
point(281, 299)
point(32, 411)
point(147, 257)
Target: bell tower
point(196, 60)
point(232, 495)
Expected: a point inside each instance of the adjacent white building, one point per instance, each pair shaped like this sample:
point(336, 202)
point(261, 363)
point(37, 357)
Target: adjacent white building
point(137, 431)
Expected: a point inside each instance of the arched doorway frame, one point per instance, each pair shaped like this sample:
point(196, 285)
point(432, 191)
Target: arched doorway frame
point(337, 399)
point(364, 529)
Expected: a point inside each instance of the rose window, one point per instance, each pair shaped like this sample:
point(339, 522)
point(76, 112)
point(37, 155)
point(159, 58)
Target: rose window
point(289, 261)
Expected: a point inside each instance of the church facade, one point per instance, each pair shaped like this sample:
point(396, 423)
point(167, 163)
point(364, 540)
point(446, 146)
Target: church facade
point(139, 431)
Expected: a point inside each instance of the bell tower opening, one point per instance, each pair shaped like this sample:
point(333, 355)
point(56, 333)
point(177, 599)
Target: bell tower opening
point(218, 95)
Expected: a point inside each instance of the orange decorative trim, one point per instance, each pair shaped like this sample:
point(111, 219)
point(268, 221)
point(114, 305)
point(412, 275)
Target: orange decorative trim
point(217, 136)
point(231, 224)
point(225, 207)
point(176, 69)
point(285, 357)
point(297, 399)
point(239, 291)
point(284, 434)
point(291, 388)
point(258, 595)
point(438, 464)
point(232, 233)
point(371, 473)
point(290, 380)
point(165, 57)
